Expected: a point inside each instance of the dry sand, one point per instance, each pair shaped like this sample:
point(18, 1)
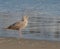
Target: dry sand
point(13, 43)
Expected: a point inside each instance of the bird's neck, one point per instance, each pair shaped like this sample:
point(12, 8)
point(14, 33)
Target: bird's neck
point(25, 20)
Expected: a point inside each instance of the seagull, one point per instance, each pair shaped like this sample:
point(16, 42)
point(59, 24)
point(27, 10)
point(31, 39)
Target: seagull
point(19, 25)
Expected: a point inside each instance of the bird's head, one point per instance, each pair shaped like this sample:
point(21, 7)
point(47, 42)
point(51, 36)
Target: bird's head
point(25, 17)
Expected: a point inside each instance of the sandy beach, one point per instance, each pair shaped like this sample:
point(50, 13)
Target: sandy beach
point(13, 43)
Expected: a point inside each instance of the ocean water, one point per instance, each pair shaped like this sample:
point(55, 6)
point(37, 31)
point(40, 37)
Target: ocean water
point(13, 10)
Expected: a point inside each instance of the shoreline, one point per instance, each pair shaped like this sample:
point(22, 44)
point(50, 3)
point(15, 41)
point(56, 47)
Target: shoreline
point(13, 43)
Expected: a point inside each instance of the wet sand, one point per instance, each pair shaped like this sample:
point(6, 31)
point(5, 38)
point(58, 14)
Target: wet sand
point(13, 43)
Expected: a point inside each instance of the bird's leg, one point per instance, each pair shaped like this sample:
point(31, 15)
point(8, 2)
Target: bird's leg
point(20, 33)
point(20, 36)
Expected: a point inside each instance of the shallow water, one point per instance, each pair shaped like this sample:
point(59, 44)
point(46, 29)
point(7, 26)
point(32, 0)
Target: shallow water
point(13, 10)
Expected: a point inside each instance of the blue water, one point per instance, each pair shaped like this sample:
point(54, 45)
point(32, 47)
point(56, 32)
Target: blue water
point(12, 11)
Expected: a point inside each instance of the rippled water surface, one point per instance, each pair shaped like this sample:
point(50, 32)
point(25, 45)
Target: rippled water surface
point(13, 10)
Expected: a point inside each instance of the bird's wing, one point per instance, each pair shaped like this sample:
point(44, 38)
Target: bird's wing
point(12, 25)
point(16, 23)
